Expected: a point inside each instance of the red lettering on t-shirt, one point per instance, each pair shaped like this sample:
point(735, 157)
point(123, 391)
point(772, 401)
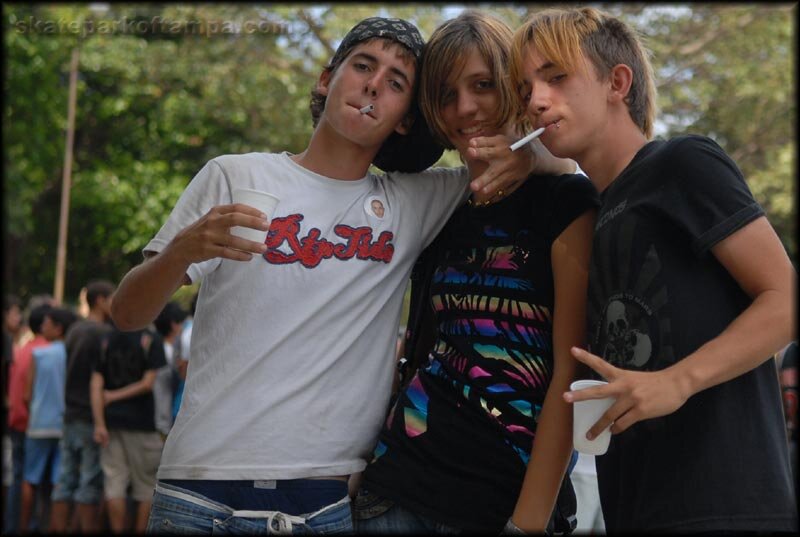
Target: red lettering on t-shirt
point(313, 248)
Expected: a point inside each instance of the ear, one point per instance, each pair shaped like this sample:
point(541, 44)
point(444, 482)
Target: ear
point(620, 78)
point(324, 81)
point(404, 127)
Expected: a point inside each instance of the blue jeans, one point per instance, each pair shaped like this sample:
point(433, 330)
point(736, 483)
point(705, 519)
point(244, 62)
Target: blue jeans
point(80, 477)
point(177, 510)
point(42, 458)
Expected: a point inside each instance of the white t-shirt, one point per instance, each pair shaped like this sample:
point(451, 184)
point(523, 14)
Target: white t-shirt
point(186, 340)
point(293, 352)
point(162, 392)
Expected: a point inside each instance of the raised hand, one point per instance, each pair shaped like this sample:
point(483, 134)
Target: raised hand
point(211, 236)
point(508, 168)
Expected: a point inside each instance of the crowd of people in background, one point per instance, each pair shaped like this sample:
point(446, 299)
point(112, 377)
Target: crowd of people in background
point(86, 411)
point(60, 487)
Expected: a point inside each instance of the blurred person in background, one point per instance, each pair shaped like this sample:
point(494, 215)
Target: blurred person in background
point(787, 366)
point(12, 326)
point(18, 414)
point(182, 356)
point(123, 411)
point(80, 479)
point(44, 393)
point(169, 324)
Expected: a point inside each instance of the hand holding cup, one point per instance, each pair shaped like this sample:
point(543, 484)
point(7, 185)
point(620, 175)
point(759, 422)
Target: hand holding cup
point(586, 414)
point(635, 395)
point(264, 202)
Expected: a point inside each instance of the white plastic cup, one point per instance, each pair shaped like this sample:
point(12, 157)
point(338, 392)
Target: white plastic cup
point(257, 199)
point(585, 414)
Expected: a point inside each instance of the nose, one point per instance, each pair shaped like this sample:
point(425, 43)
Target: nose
point(374, 82)
point(371, 87)
point(539, 101)
point(465, 103)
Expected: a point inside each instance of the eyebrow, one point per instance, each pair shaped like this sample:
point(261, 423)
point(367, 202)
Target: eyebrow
point(545, 66)
point(373, 59)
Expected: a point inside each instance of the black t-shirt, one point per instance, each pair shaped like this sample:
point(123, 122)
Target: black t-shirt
point(125, 358)
point(456, 444)
point(656, 294)
point(83, 343)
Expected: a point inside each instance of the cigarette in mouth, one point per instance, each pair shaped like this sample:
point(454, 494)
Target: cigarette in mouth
point(532, 136)
point(367, 109)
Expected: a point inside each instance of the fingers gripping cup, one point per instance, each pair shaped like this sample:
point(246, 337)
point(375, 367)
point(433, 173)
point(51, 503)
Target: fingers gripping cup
point(262, 201)
point(585, 414)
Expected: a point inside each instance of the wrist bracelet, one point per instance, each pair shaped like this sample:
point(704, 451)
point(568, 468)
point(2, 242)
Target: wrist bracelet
point(512, 529)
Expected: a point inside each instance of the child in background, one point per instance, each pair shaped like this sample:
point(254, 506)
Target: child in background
point(45, 392)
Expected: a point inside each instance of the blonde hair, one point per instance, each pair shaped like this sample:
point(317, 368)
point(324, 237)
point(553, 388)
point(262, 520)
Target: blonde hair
point(446, 55)
point(569, 37)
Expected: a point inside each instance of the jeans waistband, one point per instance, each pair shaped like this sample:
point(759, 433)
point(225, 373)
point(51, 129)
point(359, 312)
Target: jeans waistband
point(167, 490)
point(275, 484)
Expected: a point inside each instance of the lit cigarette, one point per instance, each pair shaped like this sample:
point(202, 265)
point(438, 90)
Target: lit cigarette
point(529, 138)
point(367, 109)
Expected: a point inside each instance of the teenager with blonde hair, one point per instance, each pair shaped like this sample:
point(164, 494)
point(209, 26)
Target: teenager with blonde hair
point(690, 292)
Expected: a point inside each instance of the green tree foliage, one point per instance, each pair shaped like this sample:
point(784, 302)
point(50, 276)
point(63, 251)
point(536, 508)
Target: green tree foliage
point(728, 72)
point(161, 91)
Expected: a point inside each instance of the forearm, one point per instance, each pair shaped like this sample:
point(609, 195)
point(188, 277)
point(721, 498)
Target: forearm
point(145, 290)
point(549, 460)
point(752, 338)
point(552, 447)
point(96, 400)
point(132, 390)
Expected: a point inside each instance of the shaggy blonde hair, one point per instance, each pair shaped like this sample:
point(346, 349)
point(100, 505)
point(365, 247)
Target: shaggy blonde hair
point(568, 37)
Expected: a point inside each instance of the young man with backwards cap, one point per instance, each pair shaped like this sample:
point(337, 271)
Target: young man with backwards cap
point(292, 358)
